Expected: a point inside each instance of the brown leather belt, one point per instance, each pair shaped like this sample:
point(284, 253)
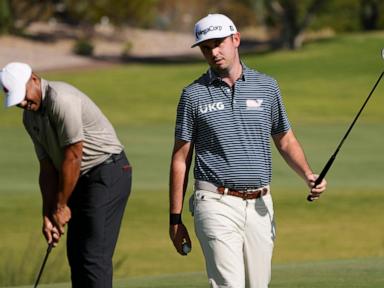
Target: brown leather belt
point(247, 194)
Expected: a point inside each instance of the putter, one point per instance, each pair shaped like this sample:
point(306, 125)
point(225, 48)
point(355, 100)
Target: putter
point(50, 246)
point(333, 157)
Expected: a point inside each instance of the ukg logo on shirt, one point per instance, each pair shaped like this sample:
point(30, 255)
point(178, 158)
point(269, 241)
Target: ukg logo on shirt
point(211, 107)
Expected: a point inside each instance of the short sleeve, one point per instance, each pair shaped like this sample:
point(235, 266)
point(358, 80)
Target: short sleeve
point(66, 115)
point(280, 122)
point(185, 118)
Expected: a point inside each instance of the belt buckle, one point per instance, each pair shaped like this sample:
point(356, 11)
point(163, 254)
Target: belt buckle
point(245, 194)
point(250, 192)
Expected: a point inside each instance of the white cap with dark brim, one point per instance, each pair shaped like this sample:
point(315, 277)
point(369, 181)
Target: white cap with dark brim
point(213, 26)
point(13, 79)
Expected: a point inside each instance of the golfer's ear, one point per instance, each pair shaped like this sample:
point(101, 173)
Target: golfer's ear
point(236, 39)
point(35, 79)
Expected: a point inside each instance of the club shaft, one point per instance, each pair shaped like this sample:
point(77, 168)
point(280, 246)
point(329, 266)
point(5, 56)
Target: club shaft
point(358, 114)
point(50, 246)
point(333, 157)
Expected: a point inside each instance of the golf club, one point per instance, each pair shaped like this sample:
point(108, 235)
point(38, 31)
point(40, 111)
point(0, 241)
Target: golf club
point(42, 265)
point(333, 157)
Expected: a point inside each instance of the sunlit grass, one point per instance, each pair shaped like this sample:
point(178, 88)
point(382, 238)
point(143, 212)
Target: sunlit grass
point(323, 86)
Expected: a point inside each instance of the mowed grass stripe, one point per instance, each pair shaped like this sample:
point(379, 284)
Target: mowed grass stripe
point(353, 273)
point(358, 273)
point(339, 226)
point(149, 147)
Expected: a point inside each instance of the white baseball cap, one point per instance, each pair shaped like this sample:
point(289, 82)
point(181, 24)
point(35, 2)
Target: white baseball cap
point(13, 79)
point(213, 26)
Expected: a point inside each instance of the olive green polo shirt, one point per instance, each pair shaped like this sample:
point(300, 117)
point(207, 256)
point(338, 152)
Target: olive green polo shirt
point(68, 116)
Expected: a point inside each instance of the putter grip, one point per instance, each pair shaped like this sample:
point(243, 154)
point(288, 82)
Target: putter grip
point(49, 248)
point(322, 175)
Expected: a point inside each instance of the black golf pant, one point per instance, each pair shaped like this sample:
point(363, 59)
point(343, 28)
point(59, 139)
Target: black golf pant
point(97, 205)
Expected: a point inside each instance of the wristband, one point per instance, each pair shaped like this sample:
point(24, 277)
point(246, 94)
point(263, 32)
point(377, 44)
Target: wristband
point(175, 219)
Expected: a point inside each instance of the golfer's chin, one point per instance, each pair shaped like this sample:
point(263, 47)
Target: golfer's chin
point(219, 66)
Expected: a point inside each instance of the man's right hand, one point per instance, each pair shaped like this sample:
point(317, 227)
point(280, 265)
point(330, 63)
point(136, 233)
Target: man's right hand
point(50, 232)
point(179, 236)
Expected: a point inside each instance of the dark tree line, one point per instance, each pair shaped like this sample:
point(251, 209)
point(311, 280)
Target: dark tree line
point(15, 15)
point(291, 18)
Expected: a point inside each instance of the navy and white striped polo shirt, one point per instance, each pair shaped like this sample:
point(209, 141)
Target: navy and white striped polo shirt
point(231, 128)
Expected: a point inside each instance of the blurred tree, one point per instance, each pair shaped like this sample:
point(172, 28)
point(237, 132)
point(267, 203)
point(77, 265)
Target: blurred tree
point(238, 11)
point(259, 8)
point(352, 15)
point(181, 15)
point(132, 12)
point(178, 15)
point(369, 14)
point(293, 18)
point(23, 12)
point(16, 15)
point(5, 16)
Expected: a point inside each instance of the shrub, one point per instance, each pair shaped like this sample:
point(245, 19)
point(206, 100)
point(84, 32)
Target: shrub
point(127, 49)
point(83, 47)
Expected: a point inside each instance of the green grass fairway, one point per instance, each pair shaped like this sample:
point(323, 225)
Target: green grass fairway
point(343, 225)
point(358, 273)
point(364, 273)
point(335, 242)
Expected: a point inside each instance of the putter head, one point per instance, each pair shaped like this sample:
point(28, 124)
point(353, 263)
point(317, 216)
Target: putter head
point(382, 53)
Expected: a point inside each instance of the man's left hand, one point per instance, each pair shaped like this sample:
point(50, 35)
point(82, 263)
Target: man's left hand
point(315, 191)
point(60, 217)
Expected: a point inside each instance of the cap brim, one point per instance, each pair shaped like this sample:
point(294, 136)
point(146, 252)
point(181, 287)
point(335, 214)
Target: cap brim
point(14, 97)
point(197, 43)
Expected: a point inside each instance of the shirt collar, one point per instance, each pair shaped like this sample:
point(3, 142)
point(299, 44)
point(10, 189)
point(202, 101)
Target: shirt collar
point(212, 75)
point(44, 91)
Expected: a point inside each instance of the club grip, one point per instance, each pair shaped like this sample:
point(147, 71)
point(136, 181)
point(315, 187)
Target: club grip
point(49, 248)
point(310, 198)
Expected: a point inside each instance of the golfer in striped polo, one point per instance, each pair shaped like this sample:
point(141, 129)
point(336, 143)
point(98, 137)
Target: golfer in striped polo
point(227, 117)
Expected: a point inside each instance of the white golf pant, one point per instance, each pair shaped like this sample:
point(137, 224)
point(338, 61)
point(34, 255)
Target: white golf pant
point(237, 238)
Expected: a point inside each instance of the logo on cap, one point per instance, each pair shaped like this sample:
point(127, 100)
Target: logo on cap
point(207, 30)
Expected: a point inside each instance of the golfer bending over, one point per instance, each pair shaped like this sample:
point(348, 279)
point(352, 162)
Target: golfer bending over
point(227, 117)
point(85, 177)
